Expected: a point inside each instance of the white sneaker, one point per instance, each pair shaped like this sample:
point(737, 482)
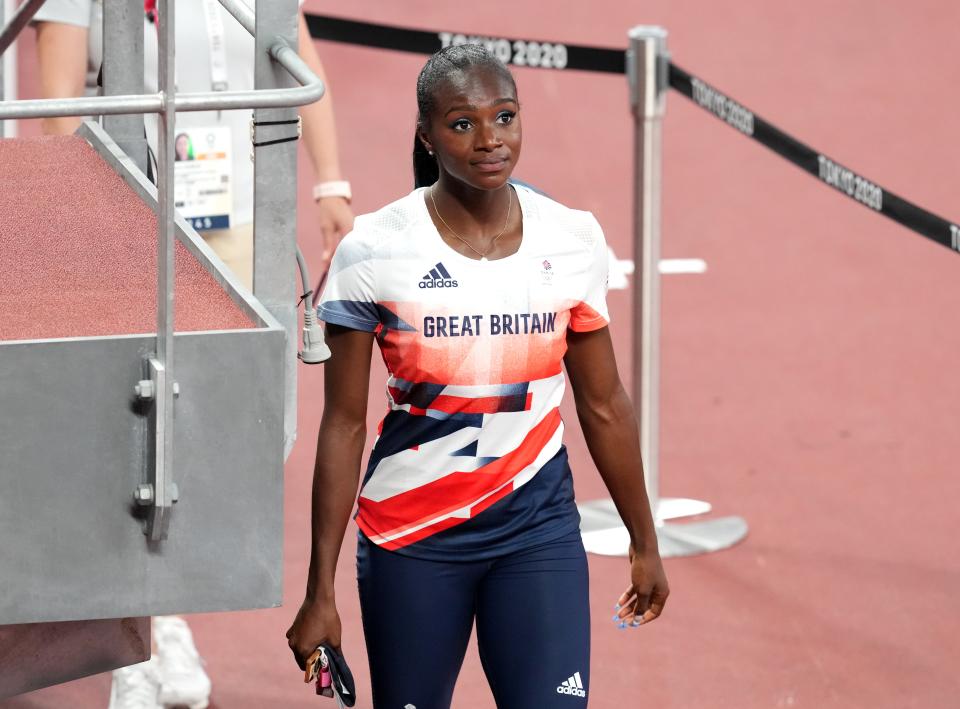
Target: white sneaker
point(136, 686)
point(182, 679)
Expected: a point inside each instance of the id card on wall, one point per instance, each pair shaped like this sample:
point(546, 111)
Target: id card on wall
point(203, 176)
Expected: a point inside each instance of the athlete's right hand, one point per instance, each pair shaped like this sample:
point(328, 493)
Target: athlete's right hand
point(317, 623)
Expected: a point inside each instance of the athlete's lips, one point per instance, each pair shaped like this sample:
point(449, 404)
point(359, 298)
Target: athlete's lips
point(494, 163)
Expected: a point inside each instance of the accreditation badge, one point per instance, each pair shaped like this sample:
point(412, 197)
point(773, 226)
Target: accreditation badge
point(203, 176)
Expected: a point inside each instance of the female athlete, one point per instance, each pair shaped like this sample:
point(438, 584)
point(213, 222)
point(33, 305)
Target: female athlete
point(478, 292)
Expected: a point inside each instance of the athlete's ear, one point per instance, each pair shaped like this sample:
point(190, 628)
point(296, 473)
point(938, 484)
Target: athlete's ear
point(424, 139)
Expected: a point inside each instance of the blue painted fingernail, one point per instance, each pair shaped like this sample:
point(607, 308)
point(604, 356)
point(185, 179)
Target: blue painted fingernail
point(617, 606)
point(623, 625)
point(616, 618)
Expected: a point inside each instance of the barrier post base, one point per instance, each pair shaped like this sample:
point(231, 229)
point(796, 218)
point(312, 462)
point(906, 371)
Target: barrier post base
point(603, 531)
point(676, 507)
point(699, 537)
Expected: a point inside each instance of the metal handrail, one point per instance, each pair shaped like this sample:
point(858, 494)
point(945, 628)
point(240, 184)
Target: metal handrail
point(160, 492)
point(242, 13)
point(311, 89)
point(20, 19)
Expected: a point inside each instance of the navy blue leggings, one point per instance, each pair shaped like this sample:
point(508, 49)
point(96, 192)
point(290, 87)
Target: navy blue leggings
point(533, 625)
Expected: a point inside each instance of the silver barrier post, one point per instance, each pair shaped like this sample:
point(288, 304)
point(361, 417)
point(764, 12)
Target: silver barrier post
point(645, 62)
point(602, 528)
point(647, 67)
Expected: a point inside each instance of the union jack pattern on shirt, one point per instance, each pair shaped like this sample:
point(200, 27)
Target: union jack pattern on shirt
point(474, 353)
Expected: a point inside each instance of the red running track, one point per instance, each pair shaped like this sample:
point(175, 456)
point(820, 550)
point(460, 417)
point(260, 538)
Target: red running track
point(810, 378)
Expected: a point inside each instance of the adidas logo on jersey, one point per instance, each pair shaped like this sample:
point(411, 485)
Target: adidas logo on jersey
point(572, 686)
point(439, 277)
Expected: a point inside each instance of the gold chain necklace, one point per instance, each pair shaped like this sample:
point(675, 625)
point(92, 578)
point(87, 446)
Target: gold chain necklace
point(482, 254)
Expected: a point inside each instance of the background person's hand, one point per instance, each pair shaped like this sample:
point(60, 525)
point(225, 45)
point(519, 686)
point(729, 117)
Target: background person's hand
point(336, 220)
point(317, 623)
point(644, 599)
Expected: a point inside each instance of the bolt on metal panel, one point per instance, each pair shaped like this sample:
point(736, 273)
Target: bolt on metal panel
point(72, 451)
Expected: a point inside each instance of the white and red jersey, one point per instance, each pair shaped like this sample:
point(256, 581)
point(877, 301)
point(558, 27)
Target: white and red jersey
point(469, 458)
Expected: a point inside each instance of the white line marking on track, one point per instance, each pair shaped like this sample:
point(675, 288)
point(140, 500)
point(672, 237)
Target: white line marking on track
point(619, 268)
point(683, 265)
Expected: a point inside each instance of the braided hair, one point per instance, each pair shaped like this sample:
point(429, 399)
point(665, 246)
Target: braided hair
point(440, 67)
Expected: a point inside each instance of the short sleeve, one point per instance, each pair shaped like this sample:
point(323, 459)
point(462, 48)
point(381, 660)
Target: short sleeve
point(590, 313)
point(68, 12)
point(349, 298)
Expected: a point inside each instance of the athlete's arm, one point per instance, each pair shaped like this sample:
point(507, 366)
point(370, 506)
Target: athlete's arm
point(62, 60)
point(320, 139)
point(335, 480)
point(610, 429)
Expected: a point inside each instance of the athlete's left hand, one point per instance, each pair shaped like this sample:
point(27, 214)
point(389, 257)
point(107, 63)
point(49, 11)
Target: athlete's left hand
point(336, 220)
point(646, 596)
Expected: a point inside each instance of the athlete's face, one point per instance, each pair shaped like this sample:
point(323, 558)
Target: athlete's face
point(474, 129)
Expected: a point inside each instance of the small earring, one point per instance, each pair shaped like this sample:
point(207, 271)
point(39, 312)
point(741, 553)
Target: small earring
point(430, 152)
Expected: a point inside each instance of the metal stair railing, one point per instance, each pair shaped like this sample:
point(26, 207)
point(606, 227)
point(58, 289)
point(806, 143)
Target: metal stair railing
point(274, 34)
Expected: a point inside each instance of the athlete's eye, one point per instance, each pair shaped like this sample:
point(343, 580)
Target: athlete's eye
point(461, 124)
point(506, 117)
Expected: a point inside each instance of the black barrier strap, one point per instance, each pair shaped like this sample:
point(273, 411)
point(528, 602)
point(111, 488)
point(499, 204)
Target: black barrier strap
point(291, 122)
point(556, 55)
point(277, 141)
point(827, 170)
point(511, 50)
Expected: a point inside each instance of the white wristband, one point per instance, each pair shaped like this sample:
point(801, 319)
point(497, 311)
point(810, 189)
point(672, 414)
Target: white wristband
point(332, 188)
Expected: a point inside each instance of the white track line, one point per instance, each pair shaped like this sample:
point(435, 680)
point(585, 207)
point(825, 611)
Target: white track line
point(683, 265)
point(619, 268)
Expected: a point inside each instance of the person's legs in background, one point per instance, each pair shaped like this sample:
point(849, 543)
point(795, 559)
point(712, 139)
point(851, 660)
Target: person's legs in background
point(136, 686)
point(172, 677)
point(183, 681)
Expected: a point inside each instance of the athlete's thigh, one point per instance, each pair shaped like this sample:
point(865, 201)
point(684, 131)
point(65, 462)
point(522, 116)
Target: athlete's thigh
point(533, 627)
point(417, 618)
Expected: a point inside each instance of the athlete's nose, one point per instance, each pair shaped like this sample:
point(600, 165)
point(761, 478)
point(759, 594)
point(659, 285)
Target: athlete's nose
point(488, 138)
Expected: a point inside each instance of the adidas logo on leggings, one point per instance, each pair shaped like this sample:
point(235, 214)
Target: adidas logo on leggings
point(573, 686)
